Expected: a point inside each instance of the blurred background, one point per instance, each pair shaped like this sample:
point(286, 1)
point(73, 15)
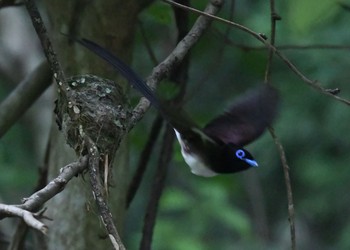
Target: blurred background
point(241, 211)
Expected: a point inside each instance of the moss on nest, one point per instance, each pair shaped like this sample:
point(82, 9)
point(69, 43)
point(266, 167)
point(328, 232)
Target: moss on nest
point(94, 107)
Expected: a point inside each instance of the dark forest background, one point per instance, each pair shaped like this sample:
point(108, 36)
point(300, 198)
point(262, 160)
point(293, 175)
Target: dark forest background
point(242, 211)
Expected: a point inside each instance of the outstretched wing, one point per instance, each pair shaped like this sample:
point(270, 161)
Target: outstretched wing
point(247, 118)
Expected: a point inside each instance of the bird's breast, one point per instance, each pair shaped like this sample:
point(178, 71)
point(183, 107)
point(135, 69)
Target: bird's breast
point(194, 161)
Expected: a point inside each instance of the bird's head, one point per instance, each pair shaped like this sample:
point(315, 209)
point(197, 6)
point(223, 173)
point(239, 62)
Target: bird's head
point(236, 159)
point(233, 159)
point(245, 157)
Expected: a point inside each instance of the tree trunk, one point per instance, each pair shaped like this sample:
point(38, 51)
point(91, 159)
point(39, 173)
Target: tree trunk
point(75, 222)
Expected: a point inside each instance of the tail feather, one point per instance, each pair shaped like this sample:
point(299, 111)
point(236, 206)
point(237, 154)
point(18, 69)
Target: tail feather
point(123, 69)
point(177, 118)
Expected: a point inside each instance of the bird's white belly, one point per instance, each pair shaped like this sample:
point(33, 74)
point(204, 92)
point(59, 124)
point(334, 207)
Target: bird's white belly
point(195, 163)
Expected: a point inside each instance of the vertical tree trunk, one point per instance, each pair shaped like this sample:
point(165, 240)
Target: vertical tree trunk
point(76, 224)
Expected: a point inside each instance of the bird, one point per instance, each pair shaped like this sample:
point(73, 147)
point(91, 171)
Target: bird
point(218, 147)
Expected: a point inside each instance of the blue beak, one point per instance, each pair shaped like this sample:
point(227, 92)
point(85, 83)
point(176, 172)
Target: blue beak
point(252, 163)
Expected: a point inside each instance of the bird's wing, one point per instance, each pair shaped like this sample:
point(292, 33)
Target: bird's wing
point(247, 118)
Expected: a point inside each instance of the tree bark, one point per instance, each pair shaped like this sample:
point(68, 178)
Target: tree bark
point(75, 222)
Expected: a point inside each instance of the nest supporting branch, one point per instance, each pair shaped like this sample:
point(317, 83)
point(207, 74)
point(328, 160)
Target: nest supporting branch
point(99, 194)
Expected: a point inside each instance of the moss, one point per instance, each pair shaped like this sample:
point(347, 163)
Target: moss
point(94, 107)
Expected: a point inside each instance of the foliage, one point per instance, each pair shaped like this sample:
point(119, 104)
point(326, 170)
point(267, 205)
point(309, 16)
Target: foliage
point(195, 211)
point(218, 213)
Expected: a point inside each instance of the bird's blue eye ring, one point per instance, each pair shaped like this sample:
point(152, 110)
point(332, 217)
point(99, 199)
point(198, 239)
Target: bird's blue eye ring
point(240, 153)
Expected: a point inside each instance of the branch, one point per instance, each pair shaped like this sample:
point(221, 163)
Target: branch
point(98, 192)
point(291, 47)
point(23, 96)
point(157, 189)
point(275, 17)
point(28, 217)
point(176, 56)
point(179, 75)
point(262, 38)
point(144, 158)
point(215, 62)
point(43, 36)
point(36, 200)
point(288, 186)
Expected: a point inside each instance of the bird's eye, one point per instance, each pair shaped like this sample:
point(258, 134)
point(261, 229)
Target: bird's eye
point(240, 153)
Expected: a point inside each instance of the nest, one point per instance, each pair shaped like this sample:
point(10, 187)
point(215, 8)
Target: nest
point(94, 107)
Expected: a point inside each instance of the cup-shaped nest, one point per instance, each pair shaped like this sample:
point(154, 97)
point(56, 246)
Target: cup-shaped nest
point(93, 107)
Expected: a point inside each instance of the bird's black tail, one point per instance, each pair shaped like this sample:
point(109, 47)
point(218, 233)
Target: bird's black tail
point(176, 117)
point(123, 69)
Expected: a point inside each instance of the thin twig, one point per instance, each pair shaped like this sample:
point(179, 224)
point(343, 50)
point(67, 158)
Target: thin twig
point(155, 130)
point(291, 211)
point(36, 200)
point(215, 62)
point(157, 189)
point(244, 47)
point(275, 17)
point(178, 76)
point(98, 192)
point(273, 38)
point(175, 57)
point(258, 36)
point(21, 230)
point(292, 47)
point(312, 46)
point(179, 73)
point(50, 54)
point(23, 96)
point(262, 38)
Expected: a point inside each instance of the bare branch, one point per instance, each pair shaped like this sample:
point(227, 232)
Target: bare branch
point(23, 96)
point(50, 54)
point(288, 186)
point(262, 38)
point(274, 18)
point(36, 200)
point(215, 61)
point(28, 217)
point(144, 158)
point(98, 192)
point(293, 47)
point(179, 75)
point(244, 47)
point(157, 189)
point(273, 38)
point(176, 56)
